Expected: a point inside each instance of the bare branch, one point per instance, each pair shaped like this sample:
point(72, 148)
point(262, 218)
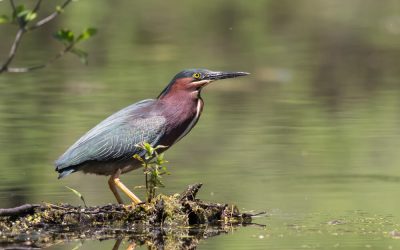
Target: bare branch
point(37, 6)
point(13, 6)
point(24, 70)
point(13, 50)
point(40, 66)
point(50, 17)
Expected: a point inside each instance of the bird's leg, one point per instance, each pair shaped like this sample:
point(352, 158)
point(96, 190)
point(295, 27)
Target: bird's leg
point(116, 244)
point(131, 246)
point(124, 189)
point(113, 188)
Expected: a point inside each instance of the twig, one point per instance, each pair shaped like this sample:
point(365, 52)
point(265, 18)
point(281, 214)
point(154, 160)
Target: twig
point(13, 6)
point(37, 6)
point(40, 66)
point(49, 17)
point(13, 50)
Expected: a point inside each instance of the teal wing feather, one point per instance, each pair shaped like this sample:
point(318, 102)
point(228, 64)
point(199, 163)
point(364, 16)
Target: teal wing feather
point(115, 137)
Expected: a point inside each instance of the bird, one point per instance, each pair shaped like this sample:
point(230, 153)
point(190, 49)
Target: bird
point(108, 148)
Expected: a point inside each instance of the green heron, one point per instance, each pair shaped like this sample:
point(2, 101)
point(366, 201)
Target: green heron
point(108, 148)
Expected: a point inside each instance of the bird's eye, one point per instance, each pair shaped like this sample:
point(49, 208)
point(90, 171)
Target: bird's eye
point(196, 75)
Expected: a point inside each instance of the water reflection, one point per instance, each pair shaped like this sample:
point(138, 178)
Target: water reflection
point(152, 238)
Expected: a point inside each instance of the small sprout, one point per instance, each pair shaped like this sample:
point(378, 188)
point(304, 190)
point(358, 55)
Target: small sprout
point(153, 167)
point(77, 194)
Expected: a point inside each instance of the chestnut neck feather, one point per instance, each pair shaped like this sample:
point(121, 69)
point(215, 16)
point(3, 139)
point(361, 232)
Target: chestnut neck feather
point(182, 109)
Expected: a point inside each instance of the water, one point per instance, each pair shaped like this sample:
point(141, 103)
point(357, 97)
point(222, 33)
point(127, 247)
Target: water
point(312, 136)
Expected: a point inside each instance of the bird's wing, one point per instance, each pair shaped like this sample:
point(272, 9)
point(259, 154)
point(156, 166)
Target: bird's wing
point(115, 137)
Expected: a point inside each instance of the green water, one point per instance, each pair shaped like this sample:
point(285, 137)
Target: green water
point(312, 136)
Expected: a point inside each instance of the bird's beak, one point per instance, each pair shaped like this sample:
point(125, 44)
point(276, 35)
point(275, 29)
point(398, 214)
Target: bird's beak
point(214, 76)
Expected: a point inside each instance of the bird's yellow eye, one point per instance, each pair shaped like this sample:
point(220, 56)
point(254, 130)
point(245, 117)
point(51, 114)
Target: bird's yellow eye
point(197, 75)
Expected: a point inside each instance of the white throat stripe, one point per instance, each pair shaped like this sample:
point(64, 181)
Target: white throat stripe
point(192, 123)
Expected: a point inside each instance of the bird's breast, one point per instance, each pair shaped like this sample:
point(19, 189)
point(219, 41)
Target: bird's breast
point(181, 119)
point(193, 120)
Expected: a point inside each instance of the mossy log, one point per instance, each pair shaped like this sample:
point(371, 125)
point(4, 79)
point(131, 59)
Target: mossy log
point(42, 223)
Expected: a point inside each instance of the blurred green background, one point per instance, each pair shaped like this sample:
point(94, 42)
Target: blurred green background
point(311, 136)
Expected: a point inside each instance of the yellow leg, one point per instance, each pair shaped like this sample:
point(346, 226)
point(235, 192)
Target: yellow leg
point(120, 185)
point(113, 188)
point(131, 246)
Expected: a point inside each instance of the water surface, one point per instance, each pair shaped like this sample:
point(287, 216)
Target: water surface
point(311, 136)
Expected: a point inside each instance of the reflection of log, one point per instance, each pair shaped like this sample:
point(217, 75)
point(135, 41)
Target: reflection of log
point(162, 213)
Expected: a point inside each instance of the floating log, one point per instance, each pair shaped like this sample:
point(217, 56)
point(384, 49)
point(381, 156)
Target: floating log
point(41, 224)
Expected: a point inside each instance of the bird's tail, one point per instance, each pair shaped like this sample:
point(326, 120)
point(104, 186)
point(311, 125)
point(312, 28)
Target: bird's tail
point(65, 171)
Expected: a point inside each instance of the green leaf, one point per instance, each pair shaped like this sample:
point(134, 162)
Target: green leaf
point(30, 16)
point(4, 19)
point(86, 34)
point(65, 36)
point(83, 55)
point(77, 194)
point(149, 150)
point(161, 146)
point(146, 146)
point(24, 14)
point(137, 157)
point(18, 10)
point(160, 159)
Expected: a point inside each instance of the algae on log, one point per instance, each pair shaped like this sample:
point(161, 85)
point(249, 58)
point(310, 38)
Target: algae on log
point(41, 224)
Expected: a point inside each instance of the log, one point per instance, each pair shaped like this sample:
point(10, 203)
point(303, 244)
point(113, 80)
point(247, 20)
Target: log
point(18, 211)
point(182, 213)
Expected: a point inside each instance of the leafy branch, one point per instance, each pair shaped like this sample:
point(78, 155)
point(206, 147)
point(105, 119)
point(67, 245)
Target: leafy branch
point(24, 18)
point(153, 168)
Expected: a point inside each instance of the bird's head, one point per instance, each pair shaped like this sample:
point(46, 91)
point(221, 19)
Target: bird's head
point(193, 80)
